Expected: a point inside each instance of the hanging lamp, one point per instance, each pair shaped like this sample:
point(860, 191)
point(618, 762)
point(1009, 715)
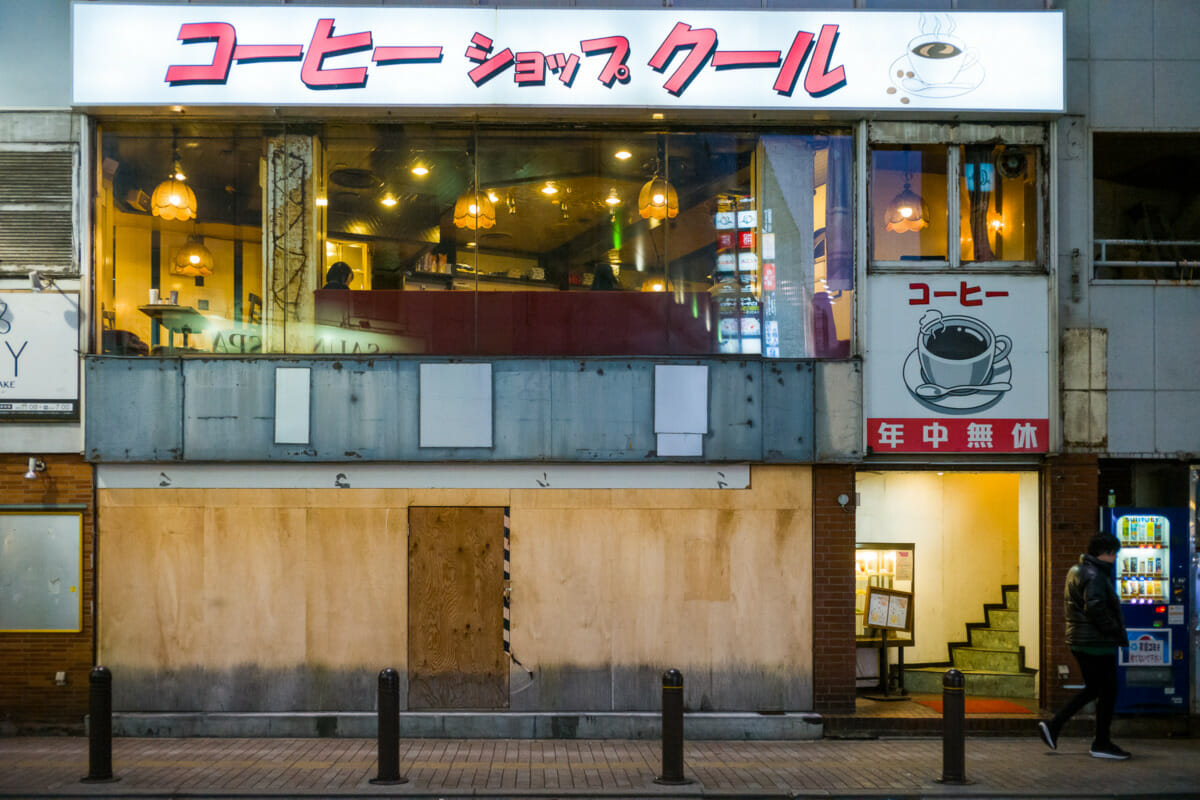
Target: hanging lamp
point(193, 260)
point(657, 199)
point(474, 210)
point(174, 199)
point(907, 211)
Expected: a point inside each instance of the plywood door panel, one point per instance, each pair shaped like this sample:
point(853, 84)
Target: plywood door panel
point(455, 608)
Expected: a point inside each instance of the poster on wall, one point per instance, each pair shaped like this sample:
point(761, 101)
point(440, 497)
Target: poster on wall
point(39, 355)
point(957, 364)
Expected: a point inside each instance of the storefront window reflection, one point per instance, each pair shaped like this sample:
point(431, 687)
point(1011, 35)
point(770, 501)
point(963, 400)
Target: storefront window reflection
point(365, 239)
point(998, 203)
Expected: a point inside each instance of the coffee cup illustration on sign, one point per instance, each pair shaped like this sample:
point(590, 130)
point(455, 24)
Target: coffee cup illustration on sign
point(959, 364)
point(939, 58)
point(936, 63)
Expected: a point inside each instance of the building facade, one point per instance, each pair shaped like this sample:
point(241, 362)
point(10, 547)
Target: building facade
point(534, 352)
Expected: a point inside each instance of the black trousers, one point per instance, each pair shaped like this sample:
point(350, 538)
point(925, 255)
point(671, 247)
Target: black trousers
point(1100, 684)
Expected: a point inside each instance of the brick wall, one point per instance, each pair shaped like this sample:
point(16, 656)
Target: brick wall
point(29, 698)
point(833, 590)
point(1070, 489)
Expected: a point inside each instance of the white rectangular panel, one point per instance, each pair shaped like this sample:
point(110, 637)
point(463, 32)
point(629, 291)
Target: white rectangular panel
point(293, 400)
point(456, 405)
point(680, 444)
point(680, 399)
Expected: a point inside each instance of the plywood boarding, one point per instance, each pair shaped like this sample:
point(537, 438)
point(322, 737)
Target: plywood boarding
point(723, 593)
point(455, 610)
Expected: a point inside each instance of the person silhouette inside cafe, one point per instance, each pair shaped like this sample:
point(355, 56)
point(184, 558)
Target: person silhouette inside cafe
point(339, 276)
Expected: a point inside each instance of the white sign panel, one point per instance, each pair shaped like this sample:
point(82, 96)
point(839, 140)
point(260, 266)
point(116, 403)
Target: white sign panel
point(1148, 647)
point(957, 364)
point(127, 54)
point(39, 354)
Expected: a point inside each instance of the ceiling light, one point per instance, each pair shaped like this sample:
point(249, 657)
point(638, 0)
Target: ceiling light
point(474, 210)
point(322, 201)
point(388, 200)
point(420, 169)
point(491, 195)
point(623, 154)
point(658, 200)
point(907, 211)
point(613, 198)
point(174, 199)
point(194, 260)
point(658, 115)
point(549, 189)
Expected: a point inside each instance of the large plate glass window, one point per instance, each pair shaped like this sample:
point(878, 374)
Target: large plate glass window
point(474, 240)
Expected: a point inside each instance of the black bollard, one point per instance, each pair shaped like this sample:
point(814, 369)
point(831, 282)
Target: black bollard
point(99, 727)
point(389, 729)
point(953, 728)
point(672, 729)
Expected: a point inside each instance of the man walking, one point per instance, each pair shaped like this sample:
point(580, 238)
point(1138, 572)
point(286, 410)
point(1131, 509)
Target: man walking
point(1095, 631)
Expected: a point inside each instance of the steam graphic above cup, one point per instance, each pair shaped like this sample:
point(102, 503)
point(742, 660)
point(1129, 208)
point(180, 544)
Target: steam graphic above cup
point(958, 355)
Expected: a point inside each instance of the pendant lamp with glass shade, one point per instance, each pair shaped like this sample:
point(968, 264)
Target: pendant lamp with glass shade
point(174, 199)
point(658, 199)
point(474, 210)
point(193, 260)
point(907, 211)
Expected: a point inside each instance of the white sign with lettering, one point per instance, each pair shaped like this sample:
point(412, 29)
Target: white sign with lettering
point(662, 58)
point(39, 353)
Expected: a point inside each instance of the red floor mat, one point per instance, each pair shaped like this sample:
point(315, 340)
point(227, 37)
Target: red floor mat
point(980, 705)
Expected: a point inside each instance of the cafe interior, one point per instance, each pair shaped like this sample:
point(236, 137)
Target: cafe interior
point(472, 240)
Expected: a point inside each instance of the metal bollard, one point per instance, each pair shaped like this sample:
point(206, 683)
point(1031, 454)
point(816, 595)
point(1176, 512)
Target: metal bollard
point(99, 727)
point(672, 730)
point(389, 729)
point(953, 729)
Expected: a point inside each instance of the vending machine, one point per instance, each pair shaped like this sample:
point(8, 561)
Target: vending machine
point(1151, 572)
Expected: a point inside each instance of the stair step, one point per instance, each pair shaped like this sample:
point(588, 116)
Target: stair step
point(978, 658)
point(1012, 599)
point(977, 683)
point(994, 639)
point(1003, 619)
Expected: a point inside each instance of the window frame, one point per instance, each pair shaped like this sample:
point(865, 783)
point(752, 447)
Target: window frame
point(953, 137)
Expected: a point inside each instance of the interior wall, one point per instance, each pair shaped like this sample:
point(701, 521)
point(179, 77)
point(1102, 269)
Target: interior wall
point(1029, 546)
point(278, 600)
point(965, 532)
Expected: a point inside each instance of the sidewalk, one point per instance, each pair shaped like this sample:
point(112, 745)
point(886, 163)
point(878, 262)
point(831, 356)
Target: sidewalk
point(504, 768)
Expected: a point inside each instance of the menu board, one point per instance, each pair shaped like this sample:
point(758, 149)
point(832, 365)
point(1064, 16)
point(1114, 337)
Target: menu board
point(889, 609)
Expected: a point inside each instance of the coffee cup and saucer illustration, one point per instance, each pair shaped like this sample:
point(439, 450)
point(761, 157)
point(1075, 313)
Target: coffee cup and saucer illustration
point(937, 64)
point(959, 365)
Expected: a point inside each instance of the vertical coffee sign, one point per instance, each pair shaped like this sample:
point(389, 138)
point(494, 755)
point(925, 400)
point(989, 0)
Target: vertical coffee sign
point(957, 364)
point(39, 355)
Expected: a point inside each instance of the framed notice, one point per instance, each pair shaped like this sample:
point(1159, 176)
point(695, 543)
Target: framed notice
point(41, 557)
point(889, 609)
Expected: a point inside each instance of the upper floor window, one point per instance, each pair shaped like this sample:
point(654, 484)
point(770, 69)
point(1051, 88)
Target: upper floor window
point(1146, 202)
point(461, 240)
point(955, 205)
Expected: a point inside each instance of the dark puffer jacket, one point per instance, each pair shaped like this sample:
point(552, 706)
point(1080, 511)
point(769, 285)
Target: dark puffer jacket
point(1093, 609)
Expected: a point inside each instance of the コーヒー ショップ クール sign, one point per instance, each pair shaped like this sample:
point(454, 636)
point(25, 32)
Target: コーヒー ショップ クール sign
point(128, 54)
point(957, 364)
point(39, 354)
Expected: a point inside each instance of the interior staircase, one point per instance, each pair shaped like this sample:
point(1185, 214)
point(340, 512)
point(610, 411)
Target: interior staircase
point(991, 661)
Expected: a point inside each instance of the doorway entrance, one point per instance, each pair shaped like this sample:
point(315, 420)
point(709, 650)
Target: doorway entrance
point(456, 654)
point(966, 543)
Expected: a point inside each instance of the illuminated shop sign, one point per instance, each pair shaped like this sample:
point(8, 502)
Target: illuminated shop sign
point(666, 58)
point(39, 354)
point(957, 364)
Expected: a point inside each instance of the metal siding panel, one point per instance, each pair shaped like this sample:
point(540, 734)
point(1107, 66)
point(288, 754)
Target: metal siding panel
point(133, 409)
point(735, 411)
point(788, 411)
point(521, 392)
point(838, 410)
point(229, 410)
point(602, 410)
point(358, 409)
